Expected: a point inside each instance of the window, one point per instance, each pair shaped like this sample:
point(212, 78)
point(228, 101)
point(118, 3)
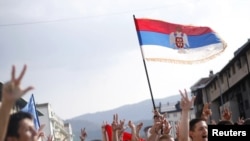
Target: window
point(221, 79)
point(243, 87)
point(175, 114)
point(168, 116)
point(233, 68)
point(246, 104)
point(248, 81)
point(228, 73)
point(244, 59)
point(239, 63)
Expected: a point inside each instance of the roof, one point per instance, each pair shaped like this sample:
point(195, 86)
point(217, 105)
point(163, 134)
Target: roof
point(204, 81)
point(241, 50)
point(201, 83)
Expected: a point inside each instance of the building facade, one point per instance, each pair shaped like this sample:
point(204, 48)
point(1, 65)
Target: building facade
point(54, 125)
point(229, 87)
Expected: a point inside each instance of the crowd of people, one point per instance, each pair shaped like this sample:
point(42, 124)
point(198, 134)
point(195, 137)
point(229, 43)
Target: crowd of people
point(19, 126)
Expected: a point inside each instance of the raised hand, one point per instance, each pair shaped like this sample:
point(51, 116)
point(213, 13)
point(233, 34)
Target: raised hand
point(240, 121)
point(40, 132)
point(104, 124)
point(104, 131)
point(121, 128)
point(158, 114)
point(156, 128)
point(206, 111)
point(186, 103)
point(116, 125)
point(139, 126)
point(50, 138)
point(213, 122)
point(83, 135)
point(226, 114)
point(11, 89)
point(166, 127)
point(117, 128)
point(131, 125)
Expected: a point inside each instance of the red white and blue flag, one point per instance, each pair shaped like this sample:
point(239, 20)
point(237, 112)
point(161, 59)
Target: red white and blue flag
point(176, 43)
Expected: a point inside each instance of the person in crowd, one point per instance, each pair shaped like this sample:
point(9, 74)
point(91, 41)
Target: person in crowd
point(206, 112)
point(226, 118)
point(160, 127)
point(155, 131)
point(21, 127)
point(195, 129)
point(18, 126)
point(11, 92)
point(198, 129)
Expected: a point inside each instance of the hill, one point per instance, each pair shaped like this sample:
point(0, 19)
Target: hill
point(138, 112)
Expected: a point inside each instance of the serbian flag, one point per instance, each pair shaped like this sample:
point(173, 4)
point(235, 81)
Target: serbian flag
point(177, 43)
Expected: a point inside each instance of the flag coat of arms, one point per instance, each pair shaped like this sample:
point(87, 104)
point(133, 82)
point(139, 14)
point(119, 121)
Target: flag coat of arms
point(177, 43)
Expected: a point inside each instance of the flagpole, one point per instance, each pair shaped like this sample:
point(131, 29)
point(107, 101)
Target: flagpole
point(35, 109)
point(144, 62)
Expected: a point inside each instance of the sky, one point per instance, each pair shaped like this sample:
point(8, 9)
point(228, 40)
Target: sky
point(84, 56)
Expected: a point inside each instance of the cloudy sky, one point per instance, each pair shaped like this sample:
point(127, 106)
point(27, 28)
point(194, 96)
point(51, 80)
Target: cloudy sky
point(84, 56)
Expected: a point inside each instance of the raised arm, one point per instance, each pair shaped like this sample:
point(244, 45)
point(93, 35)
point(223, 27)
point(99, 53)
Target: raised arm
point(104, 132)
point(83, 135)
point(117, 128)
point(138, 129)
point(155, 131)
point(133, 131)
point(206, 112)
point(186, 104)
point(11, 92)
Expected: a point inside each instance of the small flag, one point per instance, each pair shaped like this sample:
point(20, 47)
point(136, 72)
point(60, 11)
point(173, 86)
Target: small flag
point(31, 108)
point(126, 135)
point(176, 43)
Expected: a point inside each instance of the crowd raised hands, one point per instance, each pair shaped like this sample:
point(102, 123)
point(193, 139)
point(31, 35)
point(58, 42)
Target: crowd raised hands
point(187, 129)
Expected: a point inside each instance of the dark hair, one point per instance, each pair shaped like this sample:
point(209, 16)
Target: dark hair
point(225, 122)
point(192, 123)
point(247, 121)
point(14, 122)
